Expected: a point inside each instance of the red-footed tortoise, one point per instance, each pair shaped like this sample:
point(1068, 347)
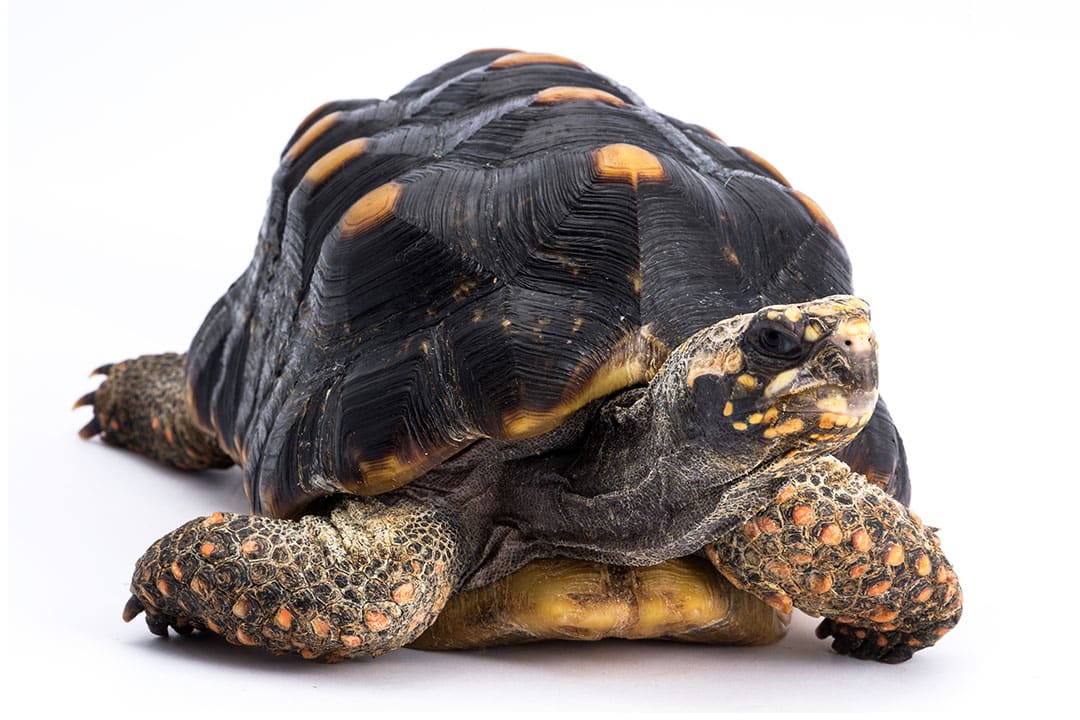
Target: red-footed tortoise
point(513, 340)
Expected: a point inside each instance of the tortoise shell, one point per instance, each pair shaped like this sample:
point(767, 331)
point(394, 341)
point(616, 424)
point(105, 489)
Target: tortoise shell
point(505, 240)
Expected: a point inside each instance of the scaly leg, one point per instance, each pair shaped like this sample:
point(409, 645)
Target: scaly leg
point(833, 544)
point(367, 578)
point(142, 406)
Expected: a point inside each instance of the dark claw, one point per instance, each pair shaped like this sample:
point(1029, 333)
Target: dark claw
point(87, 399)
point(846, 642)
point(103, 370)
point(158, 624)
point(132, 608)
point(90, 429)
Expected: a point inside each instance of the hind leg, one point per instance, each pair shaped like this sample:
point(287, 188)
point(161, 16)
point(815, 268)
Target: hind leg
point(142, 405)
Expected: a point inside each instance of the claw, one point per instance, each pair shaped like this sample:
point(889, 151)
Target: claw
point(87, 399)
point(103, 370)
point(158, 624)
point(132, 608)
point(90, 429)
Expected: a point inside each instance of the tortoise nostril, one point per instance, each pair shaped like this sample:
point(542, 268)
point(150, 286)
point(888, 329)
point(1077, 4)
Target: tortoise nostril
point(848, 343)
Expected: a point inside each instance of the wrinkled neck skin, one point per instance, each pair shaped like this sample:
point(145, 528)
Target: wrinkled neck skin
point(624, 488)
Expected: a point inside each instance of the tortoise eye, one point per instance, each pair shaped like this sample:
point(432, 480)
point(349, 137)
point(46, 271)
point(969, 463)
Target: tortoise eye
point(778, 343)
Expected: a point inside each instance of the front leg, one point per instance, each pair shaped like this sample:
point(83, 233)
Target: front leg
point(835, 545)
point(365, 579)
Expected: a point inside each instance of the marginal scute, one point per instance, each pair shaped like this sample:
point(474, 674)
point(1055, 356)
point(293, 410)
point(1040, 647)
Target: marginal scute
point(765, 165)
point(333, 161)
point(567, 93)
point(371, 210)
point(516, 59)
point(633, 361)
point(391, 472)
point(310, 135)
point(816, 212)
point(622, 162)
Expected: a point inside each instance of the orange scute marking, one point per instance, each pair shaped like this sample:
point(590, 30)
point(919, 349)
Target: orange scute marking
point(860, 540)
point(831, 534)
point(526, 58)
point(320, 627)
point(283, 619)
point(245, 639)
point(403, 593)
point(879, 587)
point(779, 601)
point(787, 492)
point(895, 555)
point(350, 640)
point(569, 93)
point(176, 571)
point(623, 162)
point(816, 212)
point(334, 160)
point(772, 171)
point(215, 519)
point(241, 608)
point(925, 594)
point(376, 621)
point(207, 549)
point(820, 583)
point(249, 547)
point(778, 568)
point(371, 210)
point(802, 515)
point(884, 615)
point(767, 524)
point(923, 566)
point(163, 587)
point(310, 135)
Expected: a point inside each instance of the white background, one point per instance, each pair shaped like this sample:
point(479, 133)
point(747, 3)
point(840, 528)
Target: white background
point(941, 138)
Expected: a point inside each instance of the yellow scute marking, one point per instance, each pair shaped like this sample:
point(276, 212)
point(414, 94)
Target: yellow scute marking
point(634, 360)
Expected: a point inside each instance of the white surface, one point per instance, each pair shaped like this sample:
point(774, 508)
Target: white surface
point(941, 140)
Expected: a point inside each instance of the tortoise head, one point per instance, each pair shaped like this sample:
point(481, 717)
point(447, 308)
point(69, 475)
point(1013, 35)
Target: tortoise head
point(786, 381)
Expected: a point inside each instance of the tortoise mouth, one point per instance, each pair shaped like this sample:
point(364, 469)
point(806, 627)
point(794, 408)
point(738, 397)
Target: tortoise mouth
point(824, 398)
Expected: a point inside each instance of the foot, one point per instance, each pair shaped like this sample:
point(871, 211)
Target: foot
point(142, 406)
point(833, 544)
point(366, 579)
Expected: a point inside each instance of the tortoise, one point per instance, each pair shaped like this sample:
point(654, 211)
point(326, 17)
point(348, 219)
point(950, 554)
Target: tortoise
point(518, 357)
